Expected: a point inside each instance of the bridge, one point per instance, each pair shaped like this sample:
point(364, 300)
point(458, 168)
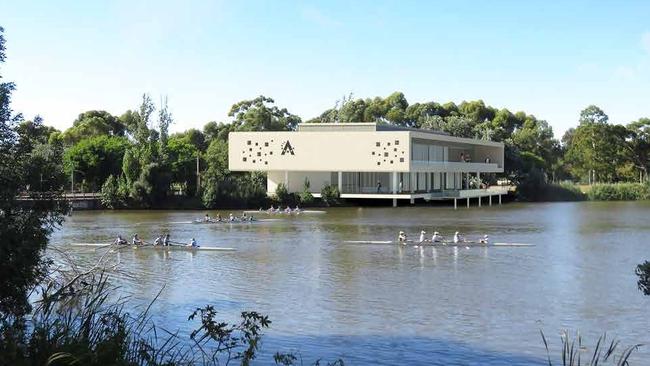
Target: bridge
point(79, 201)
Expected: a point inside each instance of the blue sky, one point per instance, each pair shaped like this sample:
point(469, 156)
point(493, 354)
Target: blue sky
point(548, 58)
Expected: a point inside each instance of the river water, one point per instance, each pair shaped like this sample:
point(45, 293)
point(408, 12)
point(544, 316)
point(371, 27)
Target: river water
point(386, 305)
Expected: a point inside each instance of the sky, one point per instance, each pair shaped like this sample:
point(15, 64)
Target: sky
point(547, 58)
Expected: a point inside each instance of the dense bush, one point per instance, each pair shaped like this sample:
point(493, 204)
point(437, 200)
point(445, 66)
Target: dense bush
point(282, 194)
point(619, 192)
point(330, 195)
point(533, 187)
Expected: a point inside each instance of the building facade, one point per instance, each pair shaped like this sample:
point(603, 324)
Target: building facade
point(369, 160)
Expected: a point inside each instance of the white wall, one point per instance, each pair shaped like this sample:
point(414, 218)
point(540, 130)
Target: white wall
point(317, 180)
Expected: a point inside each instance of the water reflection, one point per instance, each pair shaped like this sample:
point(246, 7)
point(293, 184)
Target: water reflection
point(368, 301)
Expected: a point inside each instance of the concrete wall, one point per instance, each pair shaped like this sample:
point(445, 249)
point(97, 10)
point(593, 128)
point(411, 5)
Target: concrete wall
point(319, 151)
point(317, 180)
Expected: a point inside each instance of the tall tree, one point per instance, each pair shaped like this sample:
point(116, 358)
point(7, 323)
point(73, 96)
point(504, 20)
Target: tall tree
point(24, 229)
point(260, 114)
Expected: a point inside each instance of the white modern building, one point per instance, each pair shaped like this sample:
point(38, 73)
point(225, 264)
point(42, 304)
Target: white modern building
point(370, 161)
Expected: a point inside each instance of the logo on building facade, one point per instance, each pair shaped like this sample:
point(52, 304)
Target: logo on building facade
point(287, 148)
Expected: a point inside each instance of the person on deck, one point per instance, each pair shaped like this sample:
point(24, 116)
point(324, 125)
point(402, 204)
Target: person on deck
point(422, 236)
point(136, 240)
point(119, 240)
point(436, 238)
point(378, 186)
point(166, 240)
point(485, 240)
point(401, 238)
point(458, 238)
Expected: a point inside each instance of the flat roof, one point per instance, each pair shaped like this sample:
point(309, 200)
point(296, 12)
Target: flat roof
point(360, 126)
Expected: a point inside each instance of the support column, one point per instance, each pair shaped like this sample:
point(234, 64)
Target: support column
point(412, 200)
point(286, 179)
point(455, 204)
point(479, 200)
point(490, 199)
point(478, 179)
point(499, 199)
point(340, 182)
point(467, 202)
point(394, 188)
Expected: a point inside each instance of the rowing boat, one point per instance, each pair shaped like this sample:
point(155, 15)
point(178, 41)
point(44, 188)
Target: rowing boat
point(282, 212)
point(438, 244)
point(155, 247)
point(200, 221)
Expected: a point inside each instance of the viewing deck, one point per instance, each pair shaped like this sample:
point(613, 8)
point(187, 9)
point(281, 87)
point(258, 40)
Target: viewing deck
point(445, 195)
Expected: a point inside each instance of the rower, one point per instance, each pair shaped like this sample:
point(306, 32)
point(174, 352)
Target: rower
point(458, 238)
point(422, 236)
point(401, 238)
point(157, 241)
point(436, 238)
point(244, 217)
point(484, 240)
point(287, 210)
point(231, 218)
point(119, 240)
point(193, 243)
point(206, 218)
point(219, 217)
point(166, 240)
point(136, 240)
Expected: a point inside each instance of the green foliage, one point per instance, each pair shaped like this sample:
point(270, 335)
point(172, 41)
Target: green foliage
point(619, 192)
point(24, 228)
point(92, 124)
point(260, 114)
point(112, 195)
point(222, 188)
point(96, 158)
point(643, 272)
point(282, 194)
point(305, 196)
point(330, 195)
point(182, 155)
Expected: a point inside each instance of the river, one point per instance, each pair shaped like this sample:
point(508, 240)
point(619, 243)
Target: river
point(386, 305)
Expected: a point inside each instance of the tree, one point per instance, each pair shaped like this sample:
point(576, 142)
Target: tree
point(93, 123)
point(96, 158)
point(592, 114)
point(596, 150)
point(24, 229)
point(638, 146)
point(260, 114)
point(182, 160)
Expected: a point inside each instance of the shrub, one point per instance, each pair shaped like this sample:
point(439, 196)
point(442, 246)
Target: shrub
point(306, 198)
point(282, 194)
point(330, 195)
point(111, 197)
point(619, 192)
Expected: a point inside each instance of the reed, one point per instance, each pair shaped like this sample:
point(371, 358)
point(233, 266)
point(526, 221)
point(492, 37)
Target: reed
point(575, 353)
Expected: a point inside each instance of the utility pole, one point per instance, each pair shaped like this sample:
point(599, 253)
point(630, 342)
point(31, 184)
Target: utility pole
point(72, 183)
point(198, 176)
